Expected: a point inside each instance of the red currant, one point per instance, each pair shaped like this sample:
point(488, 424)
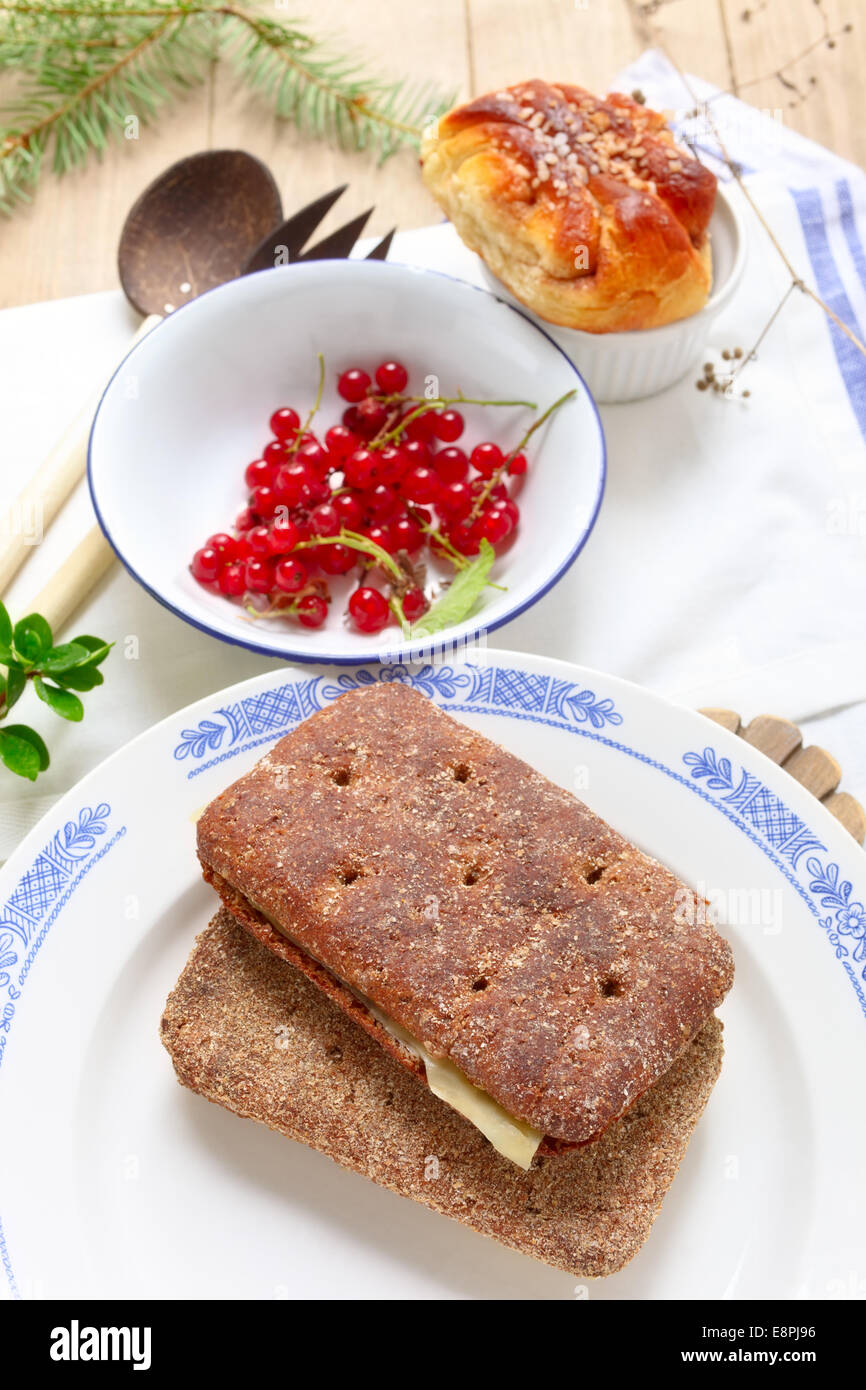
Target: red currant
point(406, 534)
point(312, 610)
point(224, 545)
point(314, 457)
point(349, 509)
point(518, 465)
point(416, 453)
point(274, 453)
point(455, 501)
point(368, 609)
point(325, 520)
point(464, 537)
point(394, 462)
point(486, 458)
point(494, 525)
point(232, 582)
point(285, 423)
point(288, 483)
point(259, 473)
point(371, 416)
point(414, 605)
point(314, 492)
point(391, 377)
point(290, 575)
point(421, 427)
point(421, 485)
point(259, 541)
point(381, 535)
point(245, 519)
point(340, 442)
point(448, 425)
point(265, 501)
point(243, 550)
point(259, 575)
point(380, 502)
point(337, 559)
point(451, 464)
point(283, 537)
point(362, 468)
point(206, 565)
point(353, 385)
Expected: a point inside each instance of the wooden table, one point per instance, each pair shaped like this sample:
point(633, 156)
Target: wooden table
point(768, 51)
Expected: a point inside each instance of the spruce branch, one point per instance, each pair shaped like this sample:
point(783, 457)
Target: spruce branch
point(87, 66)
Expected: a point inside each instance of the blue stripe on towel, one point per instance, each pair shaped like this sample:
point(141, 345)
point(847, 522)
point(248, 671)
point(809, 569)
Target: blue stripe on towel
point(852, 364)
point(850, 228)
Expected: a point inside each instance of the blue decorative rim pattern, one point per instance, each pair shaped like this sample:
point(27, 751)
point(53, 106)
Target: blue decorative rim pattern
point(748, 803)
point(423, 647)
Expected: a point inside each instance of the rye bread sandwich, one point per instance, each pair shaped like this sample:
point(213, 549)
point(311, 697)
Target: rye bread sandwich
point(253, 1034)
point(526, 963)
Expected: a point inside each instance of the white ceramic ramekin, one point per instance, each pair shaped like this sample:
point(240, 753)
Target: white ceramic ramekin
point(628, 366)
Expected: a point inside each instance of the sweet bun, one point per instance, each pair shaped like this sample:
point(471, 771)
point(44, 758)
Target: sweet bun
point(584, 207)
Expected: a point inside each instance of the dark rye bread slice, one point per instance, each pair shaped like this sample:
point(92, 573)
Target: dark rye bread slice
point(336, 991)
point(486, 910)
point(248, 1031)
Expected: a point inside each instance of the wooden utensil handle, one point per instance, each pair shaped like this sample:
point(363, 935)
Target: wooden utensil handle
point(29, 516)
point(68, 588)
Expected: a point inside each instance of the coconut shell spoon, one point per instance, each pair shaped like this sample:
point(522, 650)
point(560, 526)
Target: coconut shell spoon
point(193, 228)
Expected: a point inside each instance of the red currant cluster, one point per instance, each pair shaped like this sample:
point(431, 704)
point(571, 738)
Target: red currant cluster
point(390, 477)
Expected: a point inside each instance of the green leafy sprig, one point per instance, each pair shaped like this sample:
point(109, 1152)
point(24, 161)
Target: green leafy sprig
point(28, 653)
point(458, 600)
point(85, 67)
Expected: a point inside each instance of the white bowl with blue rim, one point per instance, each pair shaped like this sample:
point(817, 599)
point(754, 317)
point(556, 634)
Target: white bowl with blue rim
point(188, 409)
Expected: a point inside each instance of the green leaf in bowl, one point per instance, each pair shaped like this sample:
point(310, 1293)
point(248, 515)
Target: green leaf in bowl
point(460, 597)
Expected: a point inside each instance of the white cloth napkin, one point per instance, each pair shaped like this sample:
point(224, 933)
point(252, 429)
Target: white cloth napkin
point(727, 566)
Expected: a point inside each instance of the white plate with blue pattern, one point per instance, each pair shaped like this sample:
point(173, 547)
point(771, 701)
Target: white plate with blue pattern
point(115, 1181)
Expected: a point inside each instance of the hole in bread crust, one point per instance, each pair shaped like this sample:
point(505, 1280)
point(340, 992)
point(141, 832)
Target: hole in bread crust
point(342, 776)
point(611, 987)
point(462, 772)
point(472, 874)
point(593, 875)
point(347, 873)
point(481, 983)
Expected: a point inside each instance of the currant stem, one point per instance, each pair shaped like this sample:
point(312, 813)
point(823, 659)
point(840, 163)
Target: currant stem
point(313, 411)
point(437, 403)
point(354, 541)
point(499, 473)
point(458, 561)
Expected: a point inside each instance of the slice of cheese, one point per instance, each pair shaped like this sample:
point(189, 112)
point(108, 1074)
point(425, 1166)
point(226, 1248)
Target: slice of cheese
point(511, 1137)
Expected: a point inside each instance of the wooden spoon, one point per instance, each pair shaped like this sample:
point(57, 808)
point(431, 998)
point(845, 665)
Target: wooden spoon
point(193, 228)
